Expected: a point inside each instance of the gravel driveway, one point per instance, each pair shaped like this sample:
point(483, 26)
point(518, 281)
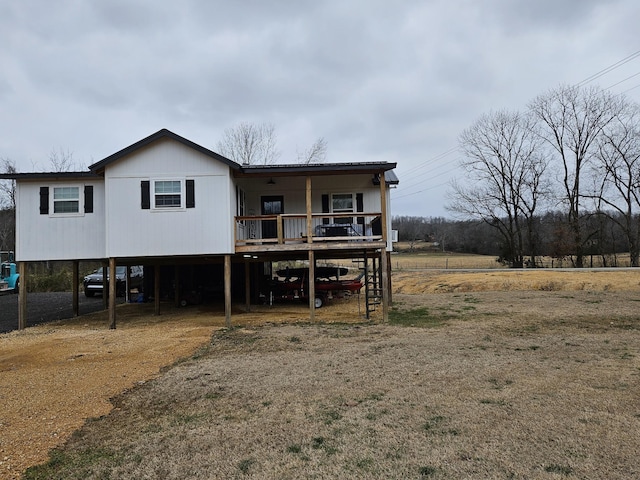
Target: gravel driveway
point(44, 307)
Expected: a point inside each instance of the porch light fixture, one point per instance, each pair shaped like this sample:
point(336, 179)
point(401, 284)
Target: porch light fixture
point(271, 182)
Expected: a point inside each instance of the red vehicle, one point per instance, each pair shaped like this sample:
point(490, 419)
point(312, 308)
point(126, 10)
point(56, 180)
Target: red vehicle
point(293, 283)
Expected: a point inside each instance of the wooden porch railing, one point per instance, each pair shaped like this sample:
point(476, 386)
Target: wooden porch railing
point(292, 228)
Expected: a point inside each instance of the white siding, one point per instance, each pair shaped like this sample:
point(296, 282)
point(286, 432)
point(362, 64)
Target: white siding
point(51, 237)
point(136, 232)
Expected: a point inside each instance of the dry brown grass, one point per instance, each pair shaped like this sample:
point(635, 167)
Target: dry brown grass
point(531, 382)
point(474, 398)
point(546, 280)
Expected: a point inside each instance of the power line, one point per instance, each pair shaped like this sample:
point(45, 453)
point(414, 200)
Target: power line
point(430, 161)
point(622, 81)
point(608, 69)
point(429, 171)
point(433, 159)
point(430, 187)
point(632, 88)
point(420, 191)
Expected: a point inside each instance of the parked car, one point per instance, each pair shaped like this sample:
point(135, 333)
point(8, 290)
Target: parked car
point(93, 282)
point(9, 277)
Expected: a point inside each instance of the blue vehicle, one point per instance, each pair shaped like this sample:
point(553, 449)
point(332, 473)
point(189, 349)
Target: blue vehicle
point(9, 278)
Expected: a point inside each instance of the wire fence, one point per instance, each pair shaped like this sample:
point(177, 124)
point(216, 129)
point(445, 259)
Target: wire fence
point(443, 262)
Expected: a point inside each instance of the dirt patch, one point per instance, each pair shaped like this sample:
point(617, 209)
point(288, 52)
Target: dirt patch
point(55, 376)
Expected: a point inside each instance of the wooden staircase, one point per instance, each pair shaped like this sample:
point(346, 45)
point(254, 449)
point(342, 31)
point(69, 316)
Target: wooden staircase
point(370, 268)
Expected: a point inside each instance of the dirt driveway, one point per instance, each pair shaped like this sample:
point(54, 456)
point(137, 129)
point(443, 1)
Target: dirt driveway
point(54, 376)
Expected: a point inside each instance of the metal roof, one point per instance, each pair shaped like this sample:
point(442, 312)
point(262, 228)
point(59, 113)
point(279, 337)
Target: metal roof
point(318, 168)
point(97, 169)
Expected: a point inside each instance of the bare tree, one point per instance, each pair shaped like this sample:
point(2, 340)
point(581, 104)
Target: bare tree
point(61, 160)
point(250, 144)
point(8, 187)
point(7, 206)
point(505, 164)
point(572, 119)
point(619, 176)
point(316, 153)
point(410, 229)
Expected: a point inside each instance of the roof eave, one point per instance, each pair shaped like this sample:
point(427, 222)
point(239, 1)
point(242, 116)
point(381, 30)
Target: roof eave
point(48, 175)
point(99, 167)
point(315, 169)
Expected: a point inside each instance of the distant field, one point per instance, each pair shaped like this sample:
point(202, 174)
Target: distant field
point(424, 257)
point(403, 261)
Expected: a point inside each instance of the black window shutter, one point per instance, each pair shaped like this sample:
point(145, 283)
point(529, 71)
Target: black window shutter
point(44, 200)
point(88, 199)
point(191, 194)
point(360, 207)
point(325, 207)
point(145, 195)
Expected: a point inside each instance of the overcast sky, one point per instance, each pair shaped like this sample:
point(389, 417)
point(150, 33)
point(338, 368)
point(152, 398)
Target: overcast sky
point(379, 80)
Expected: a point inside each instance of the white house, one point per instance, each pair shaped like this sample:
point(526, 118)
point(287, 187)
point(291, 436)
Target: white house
point(167, 201)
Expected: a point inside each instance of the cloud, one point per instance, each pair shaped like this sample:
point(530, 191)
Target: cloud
point(379, 81)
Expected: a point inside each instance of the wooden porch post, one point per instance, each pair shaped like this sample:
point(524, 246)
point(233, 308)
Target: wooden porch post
point(385, 285)
point(112, 292)
point(176, 290)
point(312, 286)
point(75, 288)
point(127, 284)
point(312, 258)
point(309, 212)
point(105, 288)
point(365, 265)
point(389, 279)
point(247, 285)
point(383, 254)
point(22, 296)
point(156, 289)
point(280, 229)
point(227, 290)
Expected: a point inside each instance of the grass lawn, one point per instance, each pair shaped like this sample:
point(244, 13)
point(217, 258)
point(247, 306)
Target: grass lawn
point(531, 384)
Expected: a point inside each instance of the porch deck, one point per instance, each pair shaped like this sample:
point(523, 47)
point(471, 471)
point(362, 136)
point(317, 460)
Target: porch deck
point(300, 232)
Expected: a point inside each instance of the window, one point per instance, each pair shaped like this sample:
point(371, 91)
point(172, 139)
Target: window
point(168, 193)
point(66, 200)
point(342, 203)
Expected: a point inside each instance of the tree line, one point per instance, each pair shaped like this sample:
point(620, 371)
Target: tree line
point(560, 178)
point(552, 237)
